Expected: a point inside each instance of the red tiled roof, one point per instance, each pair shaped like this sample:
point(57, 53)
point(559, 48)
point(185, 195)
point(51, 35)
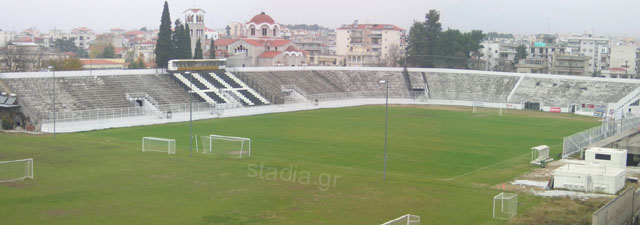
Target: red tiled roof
point(253, 42)
point(135, 32)
point(617, 69)
point(271, 43)
point(262, 18)
point(224, 42)
point(194, 10)
point(270, 54)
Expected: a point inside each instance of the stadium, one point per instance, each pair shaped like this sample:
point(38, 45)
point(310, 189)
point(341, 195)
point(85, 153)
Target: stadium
point(203, 143)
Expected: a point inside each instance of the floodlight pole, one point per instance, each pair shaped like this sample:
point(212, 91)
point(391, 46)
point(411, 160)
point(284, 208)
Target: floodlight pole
point(54, 100)
point(386, 122)
point(190, 111)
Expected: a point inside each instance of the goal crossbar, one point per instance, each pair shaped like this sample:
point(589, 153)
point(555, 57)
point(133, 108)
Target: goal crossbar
point(243, 149)
point(229, 138)
point(28, 172)
point(170, 145)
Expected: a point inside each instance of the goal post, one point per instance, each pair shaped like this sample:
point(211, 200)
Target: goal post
point(156, 144)
point(505, 206)
point(480, 109)
point(404, 220)
point(228, 146)
point(16, 170)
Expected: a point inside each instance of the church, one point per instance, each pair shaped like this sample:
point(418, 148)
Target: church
point(261, 45)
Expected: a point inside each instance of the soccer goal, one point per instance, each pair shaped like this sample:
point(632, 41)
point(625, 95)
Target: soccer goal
point(404, 220)
point(505, 206)
point(16, 170)
point(479, 109)
point(237, 147)
point(155, 144)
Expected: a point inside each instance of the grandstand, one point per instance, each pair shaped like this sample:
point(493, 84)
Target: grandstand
point(120, 92)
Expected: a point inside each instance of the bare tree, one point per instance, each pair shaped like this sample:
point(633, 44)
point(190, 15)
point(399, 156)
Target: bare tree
point(394, 54)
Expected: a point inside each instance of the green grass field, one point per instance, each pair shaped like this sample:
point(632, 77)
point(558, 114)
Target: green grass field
point(444, 165)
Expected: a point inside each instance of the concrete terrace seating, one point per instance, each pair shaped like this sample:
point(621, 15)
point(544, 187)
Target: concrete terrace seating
point(470, 87)
point(315, 83)
point(367, 81)
point(94, 92)
point(563, 92)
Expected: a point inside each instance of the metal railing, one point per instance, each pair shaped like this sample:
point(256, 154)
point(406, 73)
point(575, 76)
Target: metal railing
point(575, 143)
point(112, 113)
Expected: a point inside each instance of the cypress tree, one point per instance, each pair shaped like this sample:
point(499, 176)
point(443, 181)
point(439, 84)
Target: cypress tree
point(177, 41)
point(212, 50)
point(187, 42)
point(198, 52)
point(163, 46)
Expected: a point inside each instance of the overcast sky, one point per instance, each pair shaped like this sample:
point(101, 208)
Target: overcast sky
point(614, 17)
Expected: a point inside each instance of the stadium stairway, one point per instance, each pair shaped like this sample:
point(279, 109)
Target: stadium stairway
point(196, 87)
point(237, 87)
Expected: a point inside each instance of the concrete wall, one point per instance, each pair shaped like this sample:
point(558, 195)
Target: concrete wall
point(619, 210)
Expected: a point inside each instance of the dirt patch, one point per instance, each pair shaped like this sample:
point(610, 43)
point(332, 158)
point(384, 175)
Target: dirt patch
point(56, 213)
point(559, 211)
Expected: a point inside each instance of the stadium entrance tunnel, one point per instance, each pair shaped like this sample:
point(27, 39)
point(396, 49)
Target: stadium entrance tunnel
point(532, 105)
point(139, 102)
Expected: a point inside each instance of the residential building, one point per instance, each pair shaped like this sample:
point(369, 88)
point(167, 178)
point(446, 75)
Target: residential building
point(544, 47)
point(596, 48)
point(367, 44)
point(490, 55)
point(533, 65)
point(623, 56)
point(565, 64)
point(82, 37)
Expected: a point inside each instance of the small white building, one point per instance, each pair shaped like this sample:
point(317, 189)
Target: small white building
point(604, 171)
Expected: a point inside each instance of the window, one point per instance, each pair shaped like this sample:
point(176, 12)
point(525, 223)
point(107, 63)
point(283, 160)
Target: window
point(264, 31)
point(603, 157)
point(253, 31)
point(275, 32)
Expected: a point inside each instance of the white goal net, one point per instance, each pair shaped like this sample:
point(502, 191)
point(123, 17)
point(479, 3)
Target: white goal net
point(404, 220)
point(505, 206)
point(227, 146)
point(155, 144)
point(479, 109)
point(16, 170)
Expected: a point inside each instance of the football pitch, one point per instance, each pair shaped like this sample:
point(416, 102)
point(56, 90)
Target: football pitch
point(311, 167)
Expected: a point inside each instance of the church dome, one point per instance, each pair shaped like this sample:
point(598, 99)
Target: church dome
point(262, 18)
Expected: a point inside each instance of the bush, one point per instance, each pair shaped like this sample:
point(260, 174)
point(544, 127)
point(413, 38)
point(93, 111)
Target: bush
point(7, 123)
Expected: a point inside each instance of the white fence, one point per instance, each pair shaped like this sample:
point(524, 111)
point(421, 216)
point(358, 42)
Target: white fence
point(575, 143)
point(163, 111)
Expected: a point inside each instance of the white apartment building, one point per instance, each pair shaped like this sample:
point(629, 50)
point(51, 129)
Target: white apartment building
point(595, 47)
point(82, 37)
point(624, 56)
point(367, 44)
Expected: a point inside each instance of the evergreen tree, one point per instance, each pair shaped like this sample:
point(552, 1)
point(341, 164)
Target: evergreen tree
point(212, 50)
point(187, 42)
point(108, 52)
point(432, 33)
point(521, 53)
point(198, 52)
point(163, 46)
point(177, 41)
